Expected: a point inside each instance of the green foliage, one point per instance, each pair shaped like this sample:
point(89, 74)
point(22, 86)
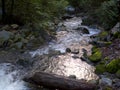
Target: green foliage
point(100, 69)
point(113, 66)
point(96, 56)
point(86, 4)
point(34, 10)
point(108, 13)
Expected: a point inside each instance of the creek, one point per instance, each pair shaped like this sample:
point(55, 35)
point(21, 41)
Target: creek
point(69, 35)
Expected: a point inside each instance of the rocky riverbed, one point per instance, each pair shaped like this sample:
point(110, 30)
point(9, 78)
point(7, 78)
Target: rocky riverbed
point(66, 55)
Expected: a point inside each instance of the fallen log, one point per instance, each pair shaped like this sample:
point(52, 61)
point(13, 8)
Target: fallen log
point(58, 82)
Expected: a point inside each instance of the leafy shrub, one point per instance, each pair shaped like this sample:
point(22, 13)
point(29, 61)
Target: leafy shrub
point(108, 14)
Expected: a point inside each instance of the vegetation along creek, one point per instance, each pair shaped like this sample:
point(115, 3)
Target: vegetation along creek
point(59, 45)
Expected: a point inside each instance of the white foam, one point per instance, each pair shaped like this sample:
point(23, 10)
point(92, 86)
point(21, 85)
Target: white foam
point(9, 80)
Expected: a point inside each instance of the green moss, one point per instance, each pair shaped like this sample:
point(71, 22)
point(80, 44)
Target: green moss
point(116, 35)
point(108, 88)
point(108, 43)
point(100, 69)
point(113, 66)
point(96, 56)
point(118, 73)
point(106, 58)
point(94, 49)
point(104, 33)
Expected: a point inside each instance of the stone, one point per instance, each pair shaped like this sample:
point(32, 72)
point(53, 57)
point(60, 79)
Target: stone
point(96, 56)
point(116, 28)
point(18, 45)
point(70, 9)
point(24, 62)
point(5, 36)
point(83, 30)
point(15, 26)
point(100, 69)
point(117, 84)
point(75, 57)
point(118, 73)
point(72, 76)
point(93, 81)
point(75, 51)
point(68, 50)
point(113, 66)
point(6, 27)
point(105, 81)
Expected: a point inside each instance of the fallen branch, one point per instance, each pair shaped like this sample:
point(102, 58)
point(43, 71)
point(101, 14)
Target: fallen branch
point(58, 82)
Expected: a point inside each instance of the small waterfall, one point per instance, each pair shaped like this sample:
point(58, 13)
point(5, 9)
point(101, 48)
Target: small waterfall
point(10, 78)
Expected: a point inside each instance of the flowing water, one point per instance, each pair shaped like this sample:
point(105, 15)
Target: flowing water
point(10, 76)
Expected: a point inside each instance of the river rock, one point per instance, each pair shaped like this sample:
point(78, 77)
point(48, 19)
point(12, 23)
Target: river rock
point(105, 81)
point(68, 50)
point(70, 9)
point(83, 30)
point(75, 51)
point(6, 27)
point(15, 26)
point(5, 36)
point(116, 28)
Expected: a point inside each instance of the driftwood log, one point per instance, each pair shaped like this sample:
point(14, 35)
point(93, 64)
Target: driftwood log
point(58, 82)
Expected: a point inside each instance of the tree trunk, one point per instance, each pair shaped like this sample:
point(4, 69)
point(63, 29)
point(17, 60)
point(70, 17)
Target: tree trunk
point(3, 11)
point(58, 82)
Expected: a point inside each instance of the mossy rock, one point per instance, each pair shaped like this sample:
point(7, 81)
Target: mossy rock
point(96, 56)
point(116, 35)
point(94, 49)
point(113, 66)
point(103, 35)
point(106, 58)
point(118, 73)
point(107, 88)
point(100, 69)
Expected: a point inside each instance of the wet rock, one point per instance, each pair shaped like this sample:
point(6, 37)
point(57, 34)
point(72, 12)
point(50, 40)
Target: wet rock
point(75, 51)
point(67, 16)
point(83, 30)
point(96, 56)
point(68, 50)
point(75, 57)
point(105, 81)
point(72, 76)
point(24, 62)
point(113, 66)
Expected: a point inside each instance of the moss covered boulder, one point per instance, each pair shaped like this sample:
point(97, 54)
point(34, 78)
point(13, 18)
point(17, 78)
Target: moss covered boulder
point(96, 55)
point(100, 69)
point(113, 66)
